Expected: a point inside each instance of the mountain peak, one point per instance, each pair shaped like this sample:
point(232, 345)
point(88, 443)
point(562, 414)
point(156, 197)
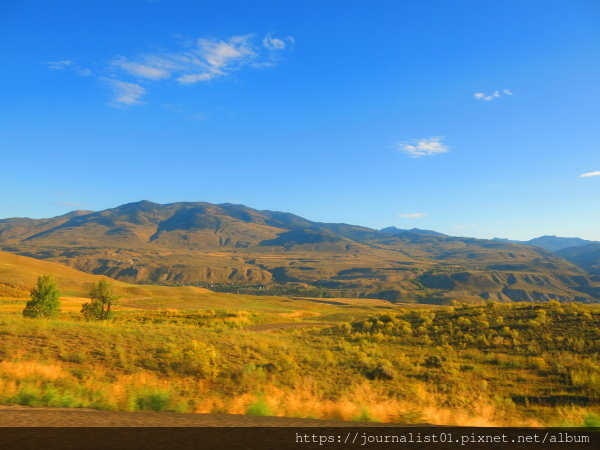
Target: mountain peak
point(139, 203)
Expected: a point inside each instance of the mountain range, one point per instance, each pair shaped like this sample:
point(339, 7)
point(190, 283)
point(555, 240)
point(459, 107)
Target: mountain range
point(581, 252)
point(198, 242)
point(552, 243)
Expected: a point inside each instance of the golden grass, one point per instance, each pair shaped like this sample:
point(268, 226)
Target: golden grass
point(361, 402)
point(201, 361)
point(349, 301)
point(26, 369)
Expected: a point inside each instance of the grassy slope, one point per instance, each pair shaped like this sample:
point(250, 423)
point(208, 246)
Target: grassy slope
point(189, 350)
point(18, 275)
point(206, 361)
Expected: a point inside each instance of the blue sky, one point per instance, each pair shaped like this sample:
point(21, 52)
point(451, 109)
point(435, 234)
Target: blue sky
point(473, 118)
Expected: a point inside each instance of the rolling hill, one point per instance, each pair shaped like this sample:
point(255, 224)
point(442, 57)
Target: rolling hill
point(18, 274)
point(230, 244)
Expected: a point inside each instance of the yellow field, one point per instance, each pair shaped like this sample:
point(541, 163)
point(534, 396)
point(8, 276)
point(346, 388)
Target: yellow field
point(189, 349)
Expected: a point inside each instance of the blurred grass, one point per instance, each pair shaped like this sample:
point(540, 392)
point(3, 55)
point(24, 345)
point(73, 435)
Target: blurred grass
point(465, 365)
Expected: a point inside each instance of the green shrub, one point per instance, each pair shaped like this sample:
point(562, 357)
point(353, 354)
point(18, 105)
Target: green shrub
point(26, 397)
point(156, 401)
point(259, 408)
point(364, 416)
point(591, 420)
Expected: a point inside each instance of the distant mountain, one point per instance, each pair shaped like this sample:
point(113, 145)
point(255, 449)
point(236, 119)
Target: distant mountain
point(395, 230)
point(555, 243)
point(585, 256)
point(507, 240)
point(551, 243)
point(198, 242)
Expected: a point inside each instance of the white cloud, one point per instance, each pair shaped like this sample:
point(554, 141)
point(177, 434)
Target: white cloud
point(590, 174)
point(494, 95)
point(224, 53)
point(193, 61)
point(204, 59)
point(412, 215)
point(423, 147)
point(194, 78)
point(142, 70)
point(272, 43)
point(125, 93)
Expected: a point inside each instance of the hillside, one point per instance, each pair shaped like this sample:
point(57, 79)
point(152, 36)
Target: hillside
point(18, 274)
point(587, 257)
point(237, 246)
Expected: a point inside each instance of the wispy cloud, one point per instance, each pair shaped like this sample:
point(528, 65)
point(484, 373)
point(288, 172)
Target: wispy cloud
point(494, 95)
point(69, 65)
point(412, 215)
point(59, 65)
point(125, 94)
point(274, 44)
point(191, 61)
point(590, 174)
point(141, 70)
point(200, 60)
point(423, 147)
point(204, 59)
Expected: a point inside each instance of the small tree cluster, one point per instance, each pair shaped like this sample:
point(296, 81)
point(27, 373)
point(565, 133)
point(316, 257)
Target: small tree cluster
point(102, 301)
point(45, 299)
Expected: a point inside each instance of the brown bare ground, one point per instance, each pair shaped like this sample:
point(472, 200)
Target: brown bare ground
point(22, 416)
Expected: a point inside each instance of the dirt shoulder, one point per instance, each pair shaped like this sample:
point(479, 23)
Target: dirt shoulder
point(19, 416)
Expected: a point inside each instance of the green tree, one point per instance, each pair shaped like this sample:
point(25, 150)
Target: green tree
point(103, 300)
point(45, 299)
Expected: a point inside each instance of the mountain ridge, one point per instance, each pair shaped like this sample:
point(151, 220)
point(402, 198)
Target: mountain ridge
point(200, 242)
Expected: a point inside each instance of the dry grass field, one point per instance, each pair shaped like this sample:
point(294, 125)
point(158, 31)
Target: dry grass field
point(190, 350)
